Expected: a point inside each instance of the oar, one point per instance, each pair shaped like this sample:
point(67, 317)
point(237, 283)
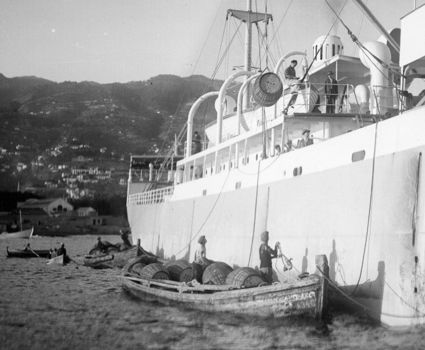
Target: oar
point(38, 256)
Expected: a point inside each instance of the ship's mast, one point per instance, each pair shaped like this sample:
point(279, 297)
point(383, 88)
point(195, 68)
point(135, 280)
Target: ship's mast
point(248, 36)
point(248, 50)
point(249, 17)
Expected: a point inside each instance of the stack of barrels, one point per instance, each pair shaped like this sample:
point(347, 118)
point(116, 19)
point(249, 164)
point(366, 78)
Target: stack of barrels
point(216, 273)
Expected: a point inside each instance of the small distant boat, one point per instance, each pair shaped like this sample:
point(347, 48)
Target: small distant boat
point(19, 234)
point(303, 296)
point(59, 260)
point(99, 261)
point(111, 260)
point(28, 253)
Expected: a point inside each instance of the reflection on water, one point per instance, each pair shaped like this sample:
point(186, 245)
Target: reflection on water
point(74, 307)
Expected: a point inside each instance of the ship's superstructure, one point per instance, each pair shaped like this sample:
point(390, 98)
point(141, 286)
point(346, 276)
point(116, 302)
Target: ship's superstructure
point(349, 184)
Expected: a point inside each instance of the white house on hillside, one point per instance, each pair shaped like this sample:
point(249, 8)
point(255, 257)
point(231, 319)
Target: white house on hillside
point(52, 206)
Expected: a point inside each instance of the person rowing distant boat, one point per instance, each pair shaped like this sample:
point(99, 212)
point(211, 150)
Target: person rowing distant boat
point(125, 239)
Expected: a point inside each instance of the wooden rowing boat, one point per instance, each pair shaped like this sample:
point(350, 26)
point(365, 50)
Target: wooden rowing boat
point(302, 296)
point(59, 260)
point(20, 234)
point(28, 253)
point(112, 260)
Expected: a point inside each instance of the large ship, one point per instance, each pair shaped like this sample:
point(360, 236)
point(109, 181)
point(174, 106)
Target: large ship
point(339, 175)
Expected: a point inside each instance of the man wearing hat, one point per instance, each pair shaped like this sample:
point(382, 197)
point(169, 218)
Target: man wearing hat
point(305, 140)
point(331, 92)
point(266, 256)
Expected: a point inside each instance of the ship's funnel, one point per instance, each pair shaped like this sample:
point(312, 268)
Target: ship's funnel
point(372, 57)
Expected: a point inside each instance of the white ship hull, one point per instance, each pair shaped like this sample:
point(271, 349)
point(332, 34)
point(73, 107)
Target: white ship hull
point(325, 210)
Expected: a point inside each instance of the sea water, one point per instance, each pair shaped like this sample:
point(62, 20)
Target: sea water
point(75, 307)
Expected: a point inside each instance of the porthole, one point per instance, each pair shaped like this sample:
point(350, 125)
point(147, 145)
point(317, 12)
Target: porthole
point(358, 156)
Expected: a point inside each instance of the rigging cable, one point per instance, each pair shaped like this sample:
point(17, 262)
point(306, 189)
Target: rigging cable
point(208, 216)
point(255, 211)
point(369, 215)
point(370, 311)
point(365, 49)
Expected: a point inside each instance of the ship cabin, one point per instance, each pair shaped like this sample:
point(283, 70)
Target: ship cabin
point(246, 132)
point(151, 171)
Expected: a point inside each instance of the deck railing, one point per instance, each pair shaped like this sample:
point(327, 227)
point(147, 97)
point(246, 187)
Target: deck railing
point(151, 197)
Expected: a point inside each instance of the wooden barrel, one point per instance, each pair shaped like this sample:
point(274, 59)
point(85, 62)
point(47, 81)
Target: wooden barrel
point(216, 273)
point(244, 277)
point(267, 89)
point(197, 270)
point(180, 270)
point(137, 267)
point(155, 271)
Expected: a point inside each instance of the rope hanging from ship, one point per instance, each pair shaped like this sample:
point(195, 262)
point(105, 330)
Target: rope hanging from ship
point(369, 215)
point(206, 219)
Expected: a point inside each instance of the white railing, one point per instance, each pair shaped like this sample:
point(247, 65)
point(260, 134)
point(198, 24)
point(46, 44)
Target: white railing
point(151, 197)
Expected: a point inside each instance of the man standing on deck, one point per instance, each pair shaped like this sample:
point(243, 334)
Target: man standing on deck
point(197, 143)
point(292, 81)
point(266, 256)
point(331, 92)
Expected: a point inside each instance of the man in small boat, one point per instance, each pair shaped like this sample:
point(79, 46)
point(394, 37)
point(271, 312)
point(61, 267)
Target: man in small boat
point(61, 250)
point(305, 140)
point(124, 237)
point(266, 256)
point(201, 252)
point(102, 246)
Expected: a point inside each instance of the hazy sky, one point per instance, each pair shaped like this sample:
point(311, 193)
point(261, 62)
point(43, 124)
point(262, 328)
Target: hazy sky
point(124, 40)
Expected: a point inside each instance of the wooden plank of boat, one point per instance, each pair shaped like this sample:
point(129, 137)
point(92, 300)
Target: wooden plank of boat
point(28, 253)
point(58, 260)
point(278, 300)
point(99, 261)
point(116, 259)
point(20, 234)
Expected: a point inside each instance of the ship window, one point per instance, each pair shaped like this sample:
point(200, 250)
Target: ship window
point(204, 192)
point(256, 157)
point(298, 171)
point(357, 156)
point(333, 49)
point(321, 53)
point(238, 185)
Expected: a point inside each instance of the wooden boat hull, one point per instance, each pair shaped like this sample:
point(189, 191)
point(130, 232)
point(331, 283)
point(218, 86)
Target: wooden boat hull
point(59, 260)
point(20, 234)
point(22, 253)
point(99, 261)
point(117, 259)
point(300, 297)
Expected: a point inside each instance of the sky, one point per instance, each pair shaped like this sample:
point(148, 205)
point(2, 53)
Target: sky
point(131, 40)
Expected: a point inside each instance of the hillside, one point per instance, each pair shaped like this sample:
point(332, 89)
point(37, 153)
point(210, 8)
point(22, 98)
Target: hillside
point(47, 125)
